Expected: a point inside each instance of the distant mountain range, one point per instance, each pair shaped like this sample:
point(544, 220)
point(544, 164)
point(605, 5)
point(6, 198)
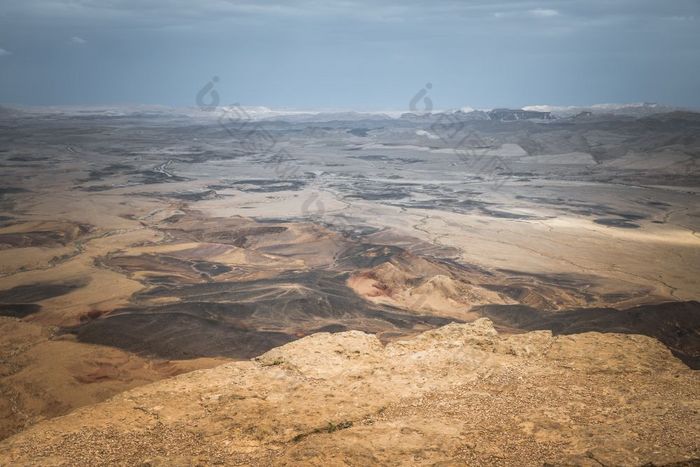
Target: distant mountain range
point(260, 113)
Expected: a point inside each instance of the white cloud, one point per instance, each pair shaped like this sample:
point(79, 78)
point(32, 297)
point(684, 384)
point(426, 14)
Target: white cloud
point(77, 40)
point(4, 52)
point(681, 18)
point(533, 13)
point(544, 13)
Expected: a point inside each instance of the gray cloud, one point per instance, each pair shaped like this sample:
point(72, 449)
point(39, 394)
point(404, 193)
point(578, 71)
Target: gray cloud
point(207, 10)
point(353, 53)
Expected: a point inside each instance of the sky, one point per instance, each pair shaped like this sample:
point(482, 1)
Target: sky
point(350, 54)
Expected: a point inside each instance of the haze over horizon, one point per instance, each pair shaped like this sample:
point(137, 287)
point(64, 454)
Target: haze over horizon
point(350, 54)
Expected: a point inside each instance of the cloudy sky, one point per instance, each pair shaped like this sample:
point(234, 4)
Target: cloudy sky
point(350, 54)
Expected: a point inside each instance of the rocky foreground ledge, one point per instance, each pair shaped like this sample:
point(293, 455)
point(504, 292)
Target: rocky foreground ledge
point(460, 394)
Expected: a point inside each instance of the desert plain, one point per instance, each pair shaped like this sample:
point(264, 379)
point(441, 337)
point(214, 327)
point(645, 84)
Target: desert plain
point(486, 288)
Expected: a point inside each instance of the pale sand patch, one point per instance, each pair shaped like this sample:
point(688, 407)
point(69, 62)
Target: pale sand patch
point(654, 161)
point(12, 260)
point(572, 158)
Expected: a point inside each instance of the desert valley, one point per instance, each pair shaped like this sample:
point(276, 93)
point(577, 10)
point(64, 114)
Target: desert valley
point(183, 287)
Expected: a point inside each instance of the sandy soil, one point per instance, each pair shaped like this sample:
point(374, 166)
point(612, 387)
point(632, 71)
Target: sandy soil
point(127, 258)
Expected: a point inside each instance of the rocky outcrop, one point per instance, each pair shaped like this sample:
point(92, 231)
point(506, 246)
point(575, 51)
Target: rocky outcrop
point(419, 286)
point(459, 394)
